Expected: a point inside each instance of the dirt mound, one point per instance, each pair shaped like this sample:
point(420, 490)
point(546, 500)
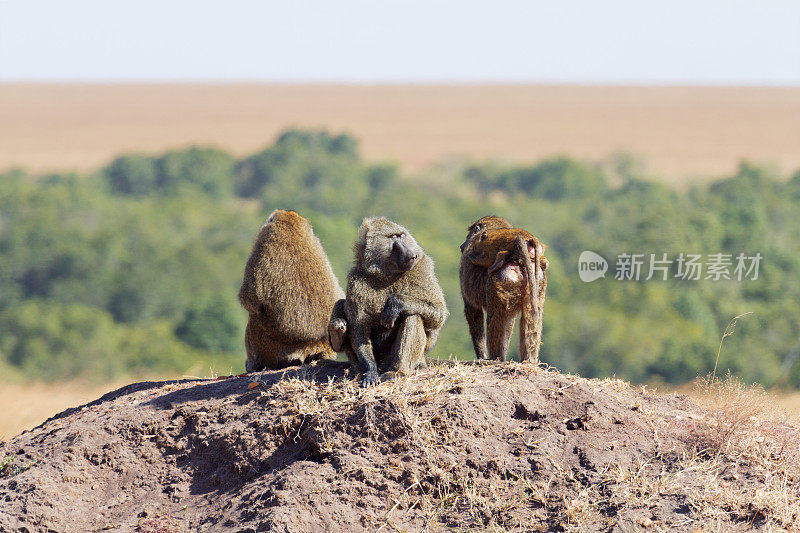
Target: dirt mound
point(503, 447)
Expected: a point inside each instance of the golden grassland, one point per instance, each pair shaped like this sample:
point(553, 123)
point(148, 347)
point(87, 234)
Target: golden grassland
point(26, 405)
point(682, 133)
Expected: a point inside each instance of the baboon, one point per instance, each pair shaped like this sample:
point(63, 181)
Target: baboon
point(515, 285)
point(289, 290)
point(394, 307)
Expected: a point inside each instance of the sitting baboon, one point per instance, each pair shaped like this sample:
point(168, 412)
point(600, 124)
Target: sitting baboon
point(516, 285)
point(289, 290)
point(394, 307)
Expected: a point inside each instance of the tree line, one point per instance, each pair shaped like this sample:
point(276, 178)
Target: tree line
point(134, 269)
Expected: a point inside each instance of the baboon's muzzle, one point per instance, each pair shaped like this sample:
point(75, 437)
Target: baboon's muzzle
point(403, 257)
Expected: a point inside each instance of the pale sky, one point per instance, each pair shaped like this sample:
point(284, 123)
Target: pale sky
point(754, 42)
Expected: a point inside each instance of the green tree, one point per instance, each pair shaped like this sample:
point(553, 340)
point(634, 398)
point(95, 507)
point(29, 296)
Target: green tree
point(204, 169)
point(211, 326)
point(133, 174)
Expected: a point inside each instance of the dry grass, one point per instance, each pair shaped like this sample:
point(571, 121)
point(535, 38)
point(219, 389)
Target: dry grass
point(306, 398)
point(681, 132)
point(741, 462)
point(746, 427)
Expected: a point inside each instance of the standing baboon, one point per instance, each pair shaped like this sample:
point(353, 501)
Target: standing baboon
point(512, 256)
point(289, 290)
point(394, 306)
point(497, 275)
point(474, 280)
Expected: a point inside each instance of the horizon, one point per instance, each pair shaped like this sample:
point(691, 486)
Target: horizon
point(680, 133)
point(418, 83)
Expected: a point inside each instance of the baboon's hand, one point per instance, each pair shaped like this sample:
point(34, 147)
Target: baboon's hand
point(369, 378)
point(391, 310)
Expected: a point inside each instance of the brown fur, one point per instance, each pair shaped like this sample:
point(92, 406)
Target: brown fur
point(392, 315)
point(494, 247)
point(289, 290)
point(495, 266)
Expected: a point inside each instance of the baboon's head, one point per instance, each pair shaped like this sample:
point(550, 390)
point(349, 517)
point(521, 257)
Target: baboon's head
point(482, 224)
point(287, 221)
point(386, 249)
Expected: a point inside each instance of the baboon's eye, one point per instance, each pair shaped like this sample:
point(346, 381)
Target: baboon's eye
point(398, 236)
point(478, 227)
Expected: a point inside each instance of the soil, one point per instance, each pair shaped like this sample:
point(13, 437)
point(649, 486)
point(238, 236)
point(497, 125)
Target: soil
point(500, 447)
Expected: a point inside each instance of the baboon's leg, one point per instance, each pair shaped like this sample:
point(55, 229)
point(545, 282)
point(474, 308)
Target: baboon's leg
point(255, 361)
point(308, 352)
point(407, 353)
point(265, 352)
point(500, 324)
point(477, 331)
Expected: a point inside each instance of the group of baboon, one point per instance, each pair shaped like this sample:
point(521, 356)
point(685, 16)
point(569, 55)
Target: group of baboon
point(390, 316)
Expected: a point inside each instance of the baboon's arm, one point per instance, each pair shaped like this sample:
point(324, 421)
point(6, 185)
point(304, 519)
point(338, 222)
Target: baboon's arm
point(433, 314)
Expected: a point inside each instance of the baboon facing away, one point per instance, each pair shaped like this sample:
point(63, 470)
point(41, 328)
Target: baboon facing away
point(289, 290)
point(498, 275)
point(394, 307)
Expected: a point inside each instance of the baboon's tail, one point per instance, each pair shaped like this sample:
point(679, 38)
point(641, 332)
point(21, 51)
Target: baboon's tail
point(532, 308)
